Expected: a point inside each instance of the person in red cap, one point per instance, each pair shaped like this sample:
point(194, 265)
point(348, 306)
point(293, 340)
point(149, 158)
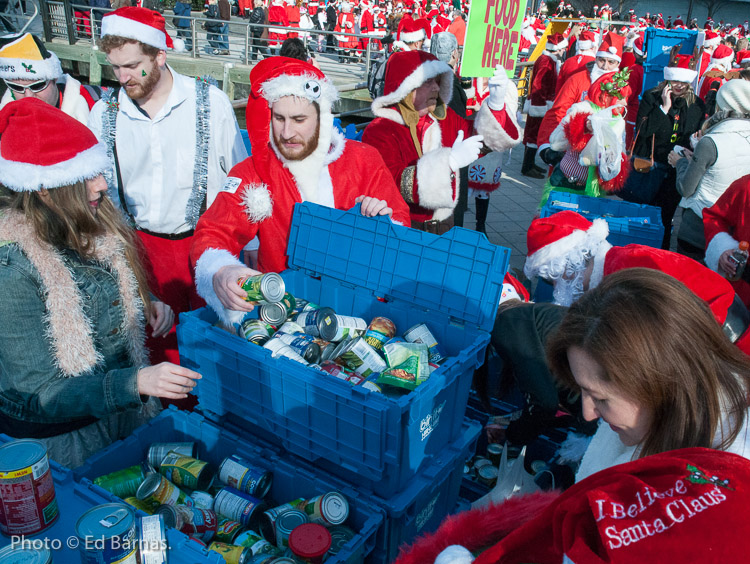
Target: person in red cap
point(298, 155)
point(721, 62)
point(710, 43)
point(74, 371)
point(411, 35)
point(347, 44)
point(585, 45)
point(422, 140)
point(540, 99)
point(171, 139)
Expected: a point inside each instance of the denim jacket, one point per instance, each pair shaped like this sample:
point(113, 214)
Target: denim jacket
point(32, 387)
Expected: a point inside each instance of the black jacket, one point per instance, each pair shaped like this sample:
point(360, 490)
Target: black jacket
point(257, 17)
point(332, 17)
point(681, 121)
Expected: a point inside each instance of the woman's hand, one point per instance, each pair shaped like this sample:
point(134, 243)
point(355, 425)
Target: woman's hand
point(230, 294)
point(166, 380)
point(666, 98)
point(673, 157)
point(161, 319)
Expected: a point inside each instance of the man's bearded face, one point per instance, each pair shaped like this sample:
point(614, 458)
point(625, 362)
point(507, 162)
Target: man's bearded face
point(295, 124)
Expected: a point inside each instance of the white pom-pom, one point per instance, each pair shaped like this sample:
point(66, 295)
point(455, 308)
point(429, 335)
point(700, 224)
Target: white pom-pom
point(178, 45)
point(455, 554)
point(257, 202)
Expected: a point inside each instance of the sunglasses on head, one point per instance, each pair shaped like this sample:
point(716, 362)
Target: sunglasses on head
point(35, 87)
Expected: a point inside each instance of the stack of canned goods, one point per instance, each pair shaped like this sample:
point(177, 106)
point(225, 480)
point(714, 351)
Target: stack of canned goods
point(228, 510)
point(343, 346)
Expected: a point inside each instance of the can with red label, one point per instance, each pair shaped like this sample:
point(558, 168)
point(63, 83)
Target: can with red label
point(327, 509)
point(27, 493)
point(194, 522)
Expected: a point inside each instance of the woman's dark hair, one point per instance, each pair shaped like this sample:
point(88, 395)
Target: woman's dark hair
point(294, 48)
point(660, 345)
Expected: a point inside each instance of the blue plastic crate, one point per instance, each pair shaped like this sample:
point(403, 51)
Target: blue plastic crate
point(290, 479)
point(429, 498)
point(658, 44)
point(246, 141)
point(628, 222)
point(75, 497)
point(364, 267)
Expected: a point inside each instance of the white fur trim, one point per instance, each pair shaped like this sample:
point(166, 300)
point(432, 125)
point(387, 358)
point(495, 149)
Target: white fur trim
point(287, 85)
point(550, 103)
point(584, 45)
point(206, 267)
point(421, 74)
point(721, 242)
point(608, 55)
point(114, 24)
point(486, 125)
point(257, 202)
point(73, 103)
point(558, 140)
point(27, 177)
point(45, 69)
point(559, 47)
point(434, 186)
point(600, 257)
point(455, 554)
point(470, 92)
point(433, 137)
point(537, 111)
point(680, 74)
point(725, 63)
point(712, 42)
point(412, 36)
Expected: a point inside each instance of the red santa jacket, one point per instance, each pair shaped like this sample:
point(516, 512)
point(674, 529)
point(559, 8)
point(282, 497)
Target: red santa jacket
point(345, 24)
point(366, 22)
point(292, 14)
point(277, 16)
point(705, 61)
point(571, 66)
point(573, 91)
point(726, 223)
point(541, 96)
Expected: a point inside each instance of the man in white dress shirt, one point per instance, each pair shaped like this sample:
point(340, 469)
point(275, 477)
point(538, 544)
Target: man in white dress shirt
point(172, 140)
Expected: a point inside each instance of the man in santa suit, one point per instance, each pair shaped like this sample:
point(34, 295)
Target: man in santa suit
point(443, 20)
point(366, 24)
point(726, 223)
point(435, 26)
point(345, 24)
point(575, 88)
point(277, 17)
point(710, 43)
point(541, 97)
point(423, 141)
point(586, 44)
point(293, 16)
point(528, 39)
point(721, 62)
point(411, 35)
point(298, 155)
point(312, 7)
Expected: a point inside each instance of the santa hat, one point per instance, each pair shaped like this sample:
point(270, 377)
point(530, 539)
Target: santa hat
point(638, 45)
point(25, 57)
point(42, 147)
point(556, 42)
point(585, 41)
point(412, 31)
point(679, 506)
point(432, 13)
point(141, 24)
point(611, 47)
point(712, 39)
point(682, 68)
point(552, 240)
point(723, 55)
point(734, 95)
point(408, 70)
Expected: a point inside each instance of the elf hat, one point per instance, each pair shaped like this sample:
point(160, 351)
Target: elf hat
point(25, 57)
point(723, 56)
point(712, 39)
point(411, 32)
point(552, 241)
point(408, 70)
point(611, 47)
point(682, 68)
point(585, 41)
point(556, 42)
point(140, 24)
point(42, 147)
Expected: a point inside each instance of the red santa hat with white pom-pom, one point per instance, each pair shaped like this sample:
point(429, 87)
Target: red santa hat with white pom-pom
point(141, 24)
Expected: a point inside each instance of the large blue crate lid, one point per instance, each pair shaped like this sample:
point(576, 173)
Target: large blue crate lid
point(459, 273)
point(659, 42)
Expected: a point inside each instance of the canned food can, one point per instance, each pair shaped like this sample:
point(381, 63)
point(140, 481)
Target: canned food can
point(202, 500)
point(27, 492)
point(538, 466)
point(232, 554)
point(156, 488)
point(320, 322)
point(239, 506)
point(263, 558)
point(270, 516)
point(124, 483)
point(277, 313)
point(286, 523)
point(291, 328)
point(157, 451)
point(254, 330)
point(348, 327)
point(263, 289)
point(243, 475)
point(335, 370)
point(310, 542)
point(285, 560)
point(480, 461)
point(152, 540)
point(331, 508)
point(107, 535)
point(256, 543)
point(340, 535)
point(487, 475)
point(362, 358)
point(186, 471)
point(303, 305)
point(194, 522)
point(395, 340)
point(421, 334)
point(227, 530)
point(302, 344)
point(146, 507)
point(494, 453)
point(12, 554)
point(280, 348)
point(379, 331)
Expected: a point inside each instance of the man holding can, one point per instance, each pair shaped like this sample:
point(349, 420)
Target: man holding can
point(298, 155)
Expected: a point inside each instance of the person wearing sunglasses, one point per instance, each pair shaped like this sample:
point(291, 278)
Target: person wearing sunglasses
point(29, 70)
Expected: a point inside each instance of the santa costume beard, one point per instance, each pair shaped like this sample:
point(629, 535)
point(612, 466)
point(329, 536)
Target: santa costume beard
point(568, 288)
point(596, 73)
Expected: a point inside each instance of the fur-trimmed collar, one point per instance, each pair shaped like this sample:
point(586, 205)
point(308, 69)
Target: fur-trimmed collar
point(597, 273)
point(69, 331)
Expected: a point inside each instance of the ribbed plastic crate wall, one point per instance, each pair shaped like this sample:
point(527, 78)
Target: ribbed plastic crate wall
point(214, 443)
point(628, 222)
point(658, 44)
point(74, 498)
point(367, 268)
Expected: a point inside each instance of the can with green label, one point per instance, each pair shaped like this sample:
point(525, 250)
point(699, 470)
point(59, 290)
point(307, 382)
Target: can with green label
point(262, 289)
point(186, 471)
point(124, 483)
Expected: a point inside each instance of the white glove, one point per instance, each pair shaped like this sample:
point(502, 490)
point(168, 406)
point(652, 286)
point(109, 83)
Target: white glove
point(349, 25)
point(464, 151)
point(498, 85)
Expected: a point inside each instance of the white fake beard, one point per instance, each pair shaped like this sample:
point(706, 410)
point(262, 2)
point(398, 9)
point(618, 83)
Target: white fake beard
point(597, 73)
point(568, 288)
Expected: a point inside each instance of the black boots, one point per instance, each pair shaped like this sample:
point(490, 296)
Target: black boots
point(483, 204)
point(528, 168)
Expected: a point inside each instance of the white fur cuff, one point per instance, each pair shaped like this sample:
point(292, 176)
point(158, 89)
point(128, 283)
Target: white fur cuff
point(435, 187)
point(207, 266)
point(495, 137)
point(721, 242)
point(537, 111)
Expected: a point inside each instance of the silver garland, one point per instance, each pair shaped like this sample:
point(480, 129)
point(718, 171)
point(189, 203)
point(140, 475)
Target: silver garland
point(109, 126)
point(202, 134)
